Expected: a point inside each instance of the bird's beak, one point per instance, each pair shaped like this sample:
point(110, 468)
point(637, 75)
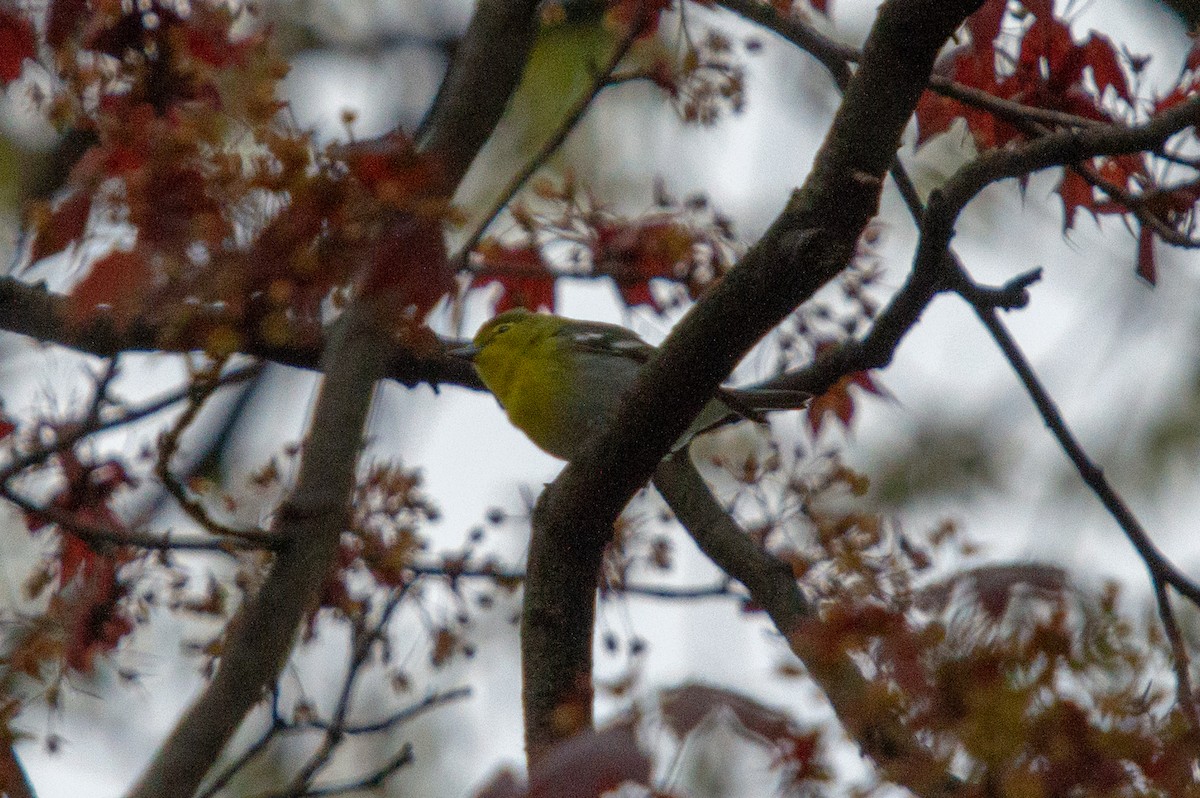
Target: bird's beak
point(467, 352)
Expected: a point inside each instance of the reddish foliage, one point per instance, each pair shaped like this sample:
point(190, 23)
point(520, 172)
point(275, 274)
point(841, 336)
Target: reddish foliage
point(590, 764)
point(410, 262)
point(1076, 192)
point(1050, 72)
point(1145, 256)
point(562, 230)
point(839, 401)
point(171, 206)
point(63, 20)
point(527, 281)
point(58, 228)
point(532, 291)
point(117, 284)
point(16, 44)
point(633, 253)
point(88, 600)
point(395, 173)
point(640, 14)
point(685, 708)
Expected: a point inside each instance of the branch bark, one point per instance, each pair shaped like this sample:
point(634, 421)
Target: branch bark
point(34, 311)
point(260, 638)
point(485, 72)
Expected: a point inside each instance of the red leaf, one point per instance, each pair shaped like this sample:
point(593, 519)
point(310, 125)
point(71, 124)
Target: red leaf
point(1145, 257)
point(685, 708)
point(984, 24)
point(527, 281)
point(17, 43)
point(532, 290)
point(637, 293)
point(839, 401)
point(410, 257)
point(393, 170)
point(590, 764)
point(935, 115)
point(63, 20)
point(1076, 192)
point(1101, 56)
point(66, 223)
point(634, 253)
point(626, 14)
point(118, 283)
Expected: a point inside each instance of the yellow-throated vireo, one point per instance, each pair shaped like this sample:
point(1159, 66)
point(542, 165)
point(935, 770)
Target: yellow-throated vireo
point(560, 379)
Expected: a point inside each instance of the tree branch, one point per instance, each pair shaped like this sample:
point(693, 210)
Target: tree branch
point(772, 585)
point(811, 241)
point(36, 312)
point(259, 639)
point(257, 643)
point(485, 72)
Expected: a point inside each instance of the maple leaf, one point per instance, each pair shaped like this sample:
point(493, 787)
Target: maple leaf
point(1145, 255)
point(118, 283)
point(410, 258)
point(1076, 192)
point(522, 273)
point(63, 19)
point(1101, 56)
point(87, 602)
point(56, 229)
point(839, 401)
point(633, 253)
point(625, 14)
point(395, 173)
point(532, 290)
point(17, 43)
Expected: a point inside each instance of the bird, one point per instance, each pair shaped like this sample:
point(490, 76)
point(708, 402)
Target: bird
point(560, 380)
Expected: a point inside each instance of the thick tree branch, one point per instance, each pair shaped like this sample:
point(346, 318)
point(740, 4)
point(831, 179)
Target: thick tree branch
point(36, 312)
point(485, 72)
point(261, 636)
point(811, 241)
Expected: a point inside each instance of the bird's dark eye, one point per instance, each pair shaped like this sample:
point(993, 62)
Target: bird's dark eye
point(502, 328)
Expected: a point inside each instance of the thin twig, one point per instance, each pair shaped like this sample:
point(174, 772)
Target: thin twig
point(78, 433)
point(168, 446)
point(1180, 661)
point(362, 640)
point(719, 589)
point(100, 537)
point(600, 80)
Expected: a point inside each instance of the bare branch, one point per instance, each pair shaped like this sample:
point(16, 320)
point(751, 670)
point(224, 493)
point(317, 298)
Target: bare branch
point(485, 72)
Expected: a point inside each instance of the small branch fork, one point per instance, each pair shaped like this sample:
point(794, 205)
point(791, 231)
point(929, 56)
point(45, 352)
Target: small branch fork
point(937, 268)
point(338, 728)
